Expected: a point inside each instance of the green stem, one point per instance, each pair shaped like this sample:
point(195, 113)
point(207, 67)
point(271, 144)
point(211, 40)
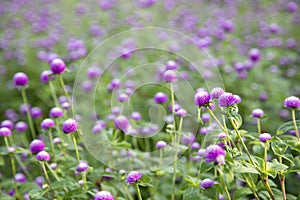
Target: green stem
point(282, 179)
point(138, 191)
point(64, 88)
point(33, 134)
point(52, 172)
point(53, 94)
point(295, 123)
point(76, 148)
point(174, 174)
point(51, 142)
point(160, 157)
point(250, 184)
point(216, 119)
point(224, 184)
point(84, 180)
point(267, 186)
point(48, 180)
point(173, 102)
point(258, 126)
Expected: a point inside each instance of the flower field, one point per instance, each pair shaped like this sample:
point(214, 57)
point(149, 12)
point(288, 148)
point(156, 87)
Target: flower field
point(147, 99)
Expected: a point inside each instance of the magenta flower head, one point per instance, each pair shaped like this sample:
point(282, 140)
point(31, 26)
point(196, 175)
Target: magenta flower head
point(207, 183)
point(46, 76)
point(121, 123)
point(160, 98)
point(20, 79)
point(216, 92)
point(136, 116)
point(36, 146)
point(48, 123)
point(5, 132)
point(8, 124)
point(215, 153)
point(133, 177)
point(170, 76)
point(264, 137)
point(123, 97)
point(43, 156)
point(292, 7)
point(57, 66)
point(172, 65)
point(257, 113)
point(56, 112)
point(161, 144)
point(21, 126)
point(103, 195)
point(181, 112)
point(82, 166)
point(254, 55)
point(36, 112)
point(69, 126)
point(201, 98)
point(292, 102)
point(227, 99)
point(20, 178)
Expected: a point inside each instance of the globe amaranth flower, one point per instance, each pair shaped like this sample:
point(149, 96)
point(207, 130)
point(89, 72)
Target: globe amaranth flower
point(264, 137)
point(207, 183)
point(39, 180)
point(46, 76)
point(36, 146)
point(47, 123)
point(69, 126)
point(103, 195)
point(8, 124)
point(20, 79)
point(216, 154)
point(201, 98)
point(160, 98)
point(20, 178)
point(181, 112)
point(160, 144)
point(257, 113)
point(122, 123)
point(57, 66)
point(133, 177)
point(254, 55)
point(43, 156)
point(5, 132)
point(21, 126)
point(82, 166)
point(227, 99)
point(216, 92)
point(171, 65)
point(56, 112)
point(136, 116)
point(292, 102)
point(170, 76)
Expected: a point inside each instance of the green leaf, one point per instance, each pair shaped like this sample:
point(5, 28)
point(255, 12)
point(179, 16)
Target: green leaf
point(1, 161)
point(191, 193)
point(145, 181)
point(210, 192)
point(275, 165)
point(240, 169)
point(287, 126)
point(242, 192)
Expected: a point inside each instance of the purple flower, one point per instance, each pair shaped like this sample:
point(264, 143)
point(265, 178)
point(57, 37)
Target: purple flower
point(257, 113)
point(160, 144)
point(43, 156)
point(36, 146)
point(160, 97)
point(82, 166)
point(123, 97)
point(36, 112)
point(171, 65)
point(48, 123)
point(56, 112)
point(39, 181)
point(53, 166)
point(207, 183)
point(227, 99)
point(170, 76)
point(103, 195)
point(222, 135)
point(216, 92)
point(254, 55)
point(181, 112)
point(205, 117)
point(94, 72)
point(121, 123)
point(20, 79)
point(292, 7)
point(57, 66)
point(215, 153)
point(292, 102)
point(195, 145)
point(264, 137)
point(8, 124)
point(21, 126)
point(201, 98)
point(136, 116)
point(133, 177)
point(56, 140)
point(20, 178)
point(46, 76)
point(5, 132)
point(69, 126)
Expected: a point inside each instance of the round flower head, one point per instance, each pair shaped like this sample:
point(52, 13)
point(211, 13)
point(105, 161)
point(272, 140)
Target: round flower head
point(20, 178)
point(238, 99)
point(5, 132)
point(172, 65)
point(205, 117)
point(216, 92)
point(56, 140)
point(36, 146)
point(292, 102)
point(43, 156)
point(161, 144)
point(47, 123)
point(8, 124)
point(121, 123)
point(20, 79)
point(21, 126)
point(201, 98)
point(69, 126)
point(254, 55)
point(39, 181)
point(222, 135)
point(82, 166)
point(227, 99)
point(257, 113)
point(215, 153)
point(170, 76)
point(136, 116)
point(195, 145)
point(123, 97)
point(46, 76)
point(36, 112)
point(53, 166)
point(207, 183)
point(65, 105)
point(160, 97)
point(264, 137)
point(56, 112)
point(57, 66)
point(103, 195)
point(292, 7)
point(133, 177)
point(181, 112)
